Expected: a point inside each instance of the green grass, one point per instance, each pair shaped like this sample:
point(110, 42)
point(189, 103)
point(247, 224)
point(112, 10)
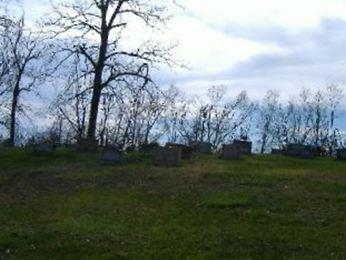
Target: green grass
point(70, 206)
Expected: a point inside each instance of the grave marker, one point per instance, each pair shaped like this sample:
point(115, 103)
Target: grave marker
point(341, 154)
point(230, 152)
point(203, 147)
point(44, 148)
point(88, 145)
point(245, 147)
point(112, 155)
point(186, 151)
point(167, 156)
point(299, 151)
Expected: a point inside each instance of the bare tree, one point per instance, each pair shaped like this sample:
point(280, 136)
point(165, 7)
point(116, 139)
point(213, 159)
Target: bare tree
point(98, 27)
point(267, 119)
point(25, 50)
point(72, 103)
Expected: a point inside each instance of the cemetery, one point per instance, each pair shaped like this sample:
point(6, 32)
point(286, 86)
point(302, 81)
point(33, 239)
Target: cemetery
point(140, 129)
point(93, 205)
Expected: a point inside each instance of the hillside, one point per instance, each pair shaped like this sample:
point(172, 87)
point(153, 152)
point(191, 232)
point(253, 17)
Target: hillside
point(70, 206)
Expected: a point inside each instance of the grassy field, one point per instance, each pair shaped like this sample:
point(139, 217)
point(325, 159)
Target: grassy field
point(70, 206)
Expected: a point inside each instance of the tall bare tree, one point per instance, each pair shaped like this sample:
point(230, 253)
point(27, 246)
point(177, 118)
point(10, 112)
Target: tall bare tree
point(98, 27)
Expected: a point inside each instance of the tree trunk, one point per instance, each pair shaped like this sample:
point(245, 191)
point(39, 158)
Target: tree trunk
point(95, 101)
point(13, 115)
point(97, 86)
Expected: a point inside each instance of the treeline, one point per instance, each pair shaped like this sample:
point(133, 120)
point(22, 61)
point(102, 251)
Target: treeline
point(103, 87)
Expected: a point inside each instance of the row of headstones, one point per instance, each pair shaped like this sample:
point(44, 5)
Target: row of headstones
point(170, 155)
point(307, 152)
point(173, 154)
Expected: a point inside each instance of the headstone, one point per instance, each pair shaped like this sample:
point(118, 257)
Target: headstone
point(318, 151)
point(148, 148)
point(341, 154)
point(203, 147)
point(277, 151)
point(299, 151)
point(167, 156)
point(44, 148)
point(186, 151)
point(245, 147)
point(112, 155)
point(230, 152)
point(88, 145)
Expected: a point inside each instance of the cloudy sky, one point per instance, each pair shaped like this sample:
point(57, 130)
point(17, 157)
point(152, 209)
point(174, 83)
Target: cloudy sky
point(254, 45)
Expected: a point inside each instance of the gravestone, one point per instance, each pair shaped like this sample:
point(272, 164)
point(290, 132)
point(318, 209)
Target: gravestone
point(277, 151)
point(203, 147)
point(167, 156)
point(299, 151)
point(341, 154)
point(44, 148)
point(230, 152)
point(186, 151)
point(112, 155)
point(245, 147)
point(88, 145)
point(148, 148)
point(318, 151)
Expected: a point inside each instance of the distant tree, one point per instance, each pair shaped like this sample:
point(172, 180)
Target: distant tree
point(334, 96)
point(267, 120)
point(24, 50)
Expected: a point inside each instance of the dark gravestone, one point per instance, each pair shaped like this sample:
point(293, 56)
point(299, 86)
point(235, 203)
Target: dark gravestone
point(277, 151)
point(245, 147)
point(167, 156)
point(230, 152)
point(186, 151)
point(341, 154)
point(203, 147)
point(112, 155)
point(318, 151)
point(44, 149)
point(148, 148)
point(88, 145)
point(299, 151)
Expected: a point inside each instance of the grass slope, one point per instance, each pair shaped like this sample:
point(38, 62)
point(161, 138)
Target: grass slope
point(69, 206)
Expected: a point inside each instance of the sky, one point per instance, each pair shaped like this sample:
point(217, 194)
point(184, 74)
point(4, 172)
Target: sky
point(253, 45)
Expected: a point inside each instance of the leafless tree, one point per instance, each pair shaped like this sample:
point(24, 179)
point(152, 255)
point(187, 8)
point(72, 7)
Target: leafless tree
point(98, 27)
point(267, 119)
point(72, 103)
point(25, 49)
